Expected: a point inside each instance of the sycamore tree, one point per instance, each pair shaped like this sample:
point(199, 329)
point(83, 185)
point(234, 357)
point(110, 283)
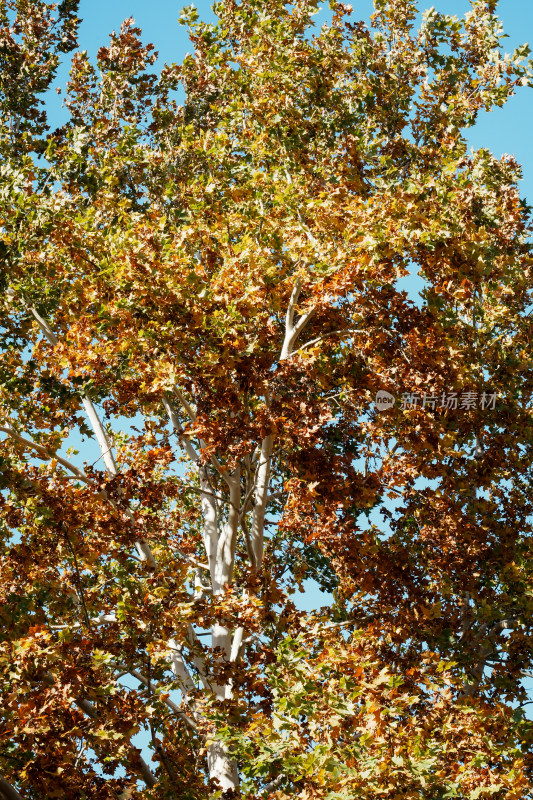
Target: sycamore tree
point(208, 290)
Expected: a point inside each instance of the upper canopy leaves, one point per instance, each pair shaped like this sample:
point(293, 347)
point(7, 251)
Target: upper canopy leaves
point(232, 262)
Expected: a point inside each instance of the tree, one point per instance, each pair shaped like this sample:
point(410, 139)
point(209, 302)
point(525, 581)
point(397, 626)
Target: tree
point(209, 291)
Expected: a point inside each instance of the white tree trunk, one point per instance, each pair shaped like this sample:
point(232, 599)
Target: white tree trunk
point(221, 767)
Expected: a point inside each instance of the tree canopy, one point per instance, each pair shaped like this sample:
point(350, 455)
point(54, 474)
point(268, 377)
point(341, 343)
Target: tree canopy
point(209, 290)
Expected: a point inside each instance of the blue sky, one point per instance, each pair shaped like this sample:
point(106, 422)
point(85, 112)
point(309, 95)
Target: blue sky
point(506, 130)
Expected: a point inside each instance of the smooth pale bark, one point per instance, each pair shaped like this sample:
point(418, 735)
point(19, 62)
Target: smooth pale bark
point(101, 437)
point(168, 702)
point(141, 545)
point(198, 659)
point(292, 329)
point(221, 635)
point(207, 499)
point(45, 454)
point(220, 543)
point(260, 499)
point(221, 766)
point(227, 541)
point(210, 521)
point(179, 668)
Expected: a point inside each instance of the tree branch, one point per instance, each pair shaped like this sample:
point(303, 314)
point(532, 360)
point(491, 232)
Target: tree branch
point(198, 660)
point(8, 792)
point(261, 498)
point(134, 757)
point(273, 784)
point(142, 546)
point(45, 454)
point(168, 702)
point(176, 424)
point(226, 544)
point(293, 331)
point(179, 668)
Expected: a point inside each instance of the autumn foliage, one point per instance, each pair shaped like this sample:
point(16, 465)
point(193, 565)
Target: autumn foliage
point(200, 272)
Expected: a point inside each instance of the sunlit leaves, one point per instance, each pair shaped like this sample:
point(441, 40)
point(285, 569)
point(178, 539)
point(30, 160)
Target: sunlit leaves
point(162, 244)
